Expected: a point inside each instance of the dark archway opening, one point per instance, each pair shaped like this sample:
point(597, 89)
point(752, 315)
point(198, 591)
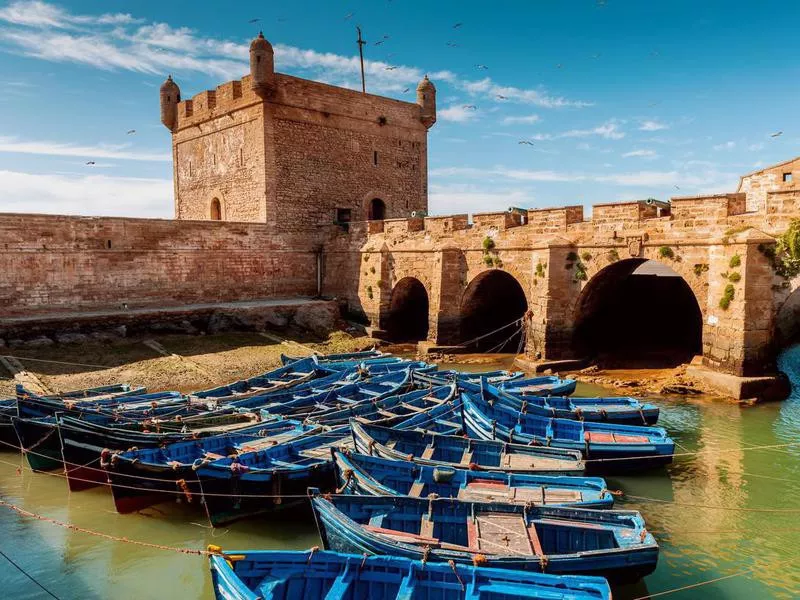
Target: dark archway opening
point(377, 210)
point(493, 300)
point(216, 210)
point(408, 312)
point(638, 313)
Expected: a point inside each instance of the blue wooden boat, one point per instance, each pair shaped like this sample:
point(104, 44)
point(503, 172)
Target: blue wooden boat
point(424, 448)
point(8, 437)
point(371, 475)
point(364, 363)
point(322, 575)
point(260, 481)
point(284, 377)
point(33, 406)
point(546, 385)
point(102, 392)
point(338, 395)
point(417, 366)
point(448, 376)
point(336, 379)
point(388, 410)
point(349, 357)
point(146, 476)
point(83, 444)
point(613, 410)
point(607, 447)
point(558, 540)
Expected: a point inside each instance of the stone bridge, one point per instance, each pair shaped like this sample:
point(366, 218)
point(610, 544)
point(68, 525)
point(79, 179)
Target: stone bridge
point(690, 276)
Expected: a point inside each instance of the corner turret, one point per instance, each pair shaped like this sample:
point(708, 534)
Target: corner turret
point(262, 66)
point(170, 97)
point(426, 98)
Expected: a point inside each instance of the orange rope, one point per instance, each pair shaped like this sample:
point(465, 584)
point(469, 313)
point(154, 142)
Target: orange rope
point(26, 513)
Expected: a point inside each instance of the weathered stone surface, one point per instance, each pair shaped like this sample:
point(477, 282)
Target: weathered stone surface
point(39, 342)
point(320, 319)
point(71, 338)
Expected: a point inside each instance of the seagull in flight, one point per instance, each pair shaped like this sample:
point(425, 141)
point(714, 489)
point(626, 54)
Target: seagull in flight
point(526, 142)
point(452, 45)
point(348, 16)
point(457, 25)
point(501, 97)
point(470, 107)
point(90, 162)
point(405, 91)
point(131, 131)
point(378, 43)
point(482, 67)
point(254, 20)
point(776, 134)
point(389, 68)
point(676, 187)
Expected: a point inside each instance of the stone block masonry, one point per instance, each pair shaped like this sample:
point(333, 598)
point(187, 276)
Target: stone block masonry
point(50, 263)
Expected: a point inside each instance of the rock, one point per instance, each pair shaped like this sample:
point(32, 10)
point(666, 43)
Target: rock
point(590, 369)
point(16, 343)
point(182, 327)
point(108, 335)
point(547, 372)
point(318, 318)
point(121, 331)
point(679, 388)
point(39, 342)
point(2, 343)
point(71, 338)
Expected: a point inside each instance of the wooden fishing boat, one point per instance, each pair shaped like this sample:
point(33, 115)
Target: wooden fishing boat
point(546, 385)
point(324, 383)
point(252, 483)
point(102, 392)
point(8, 437)
point(351, 357)
point(322, 575)
point(338, 396)
point(449, 376)
point(372, 475)
point(425, 448)
point(83, 444)
point(284, 377)
point(388, 410)
point(558, 540)
point(607, 447)
point(612, 410)
point(146, 476)
point(33, 406)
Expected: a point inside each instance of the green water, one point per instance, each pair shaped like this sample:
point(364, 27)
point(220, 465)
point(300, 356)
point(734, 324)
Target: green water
point(711, 526)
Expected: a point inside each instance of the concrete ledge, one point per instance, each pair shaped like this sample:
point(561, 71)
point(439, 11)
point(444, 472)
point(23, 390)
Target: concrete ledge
point(539, 366)
point(758, 389)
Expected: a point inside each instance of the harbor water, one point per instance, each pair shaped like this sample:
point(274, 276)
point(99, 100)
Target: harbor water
point(728, 506)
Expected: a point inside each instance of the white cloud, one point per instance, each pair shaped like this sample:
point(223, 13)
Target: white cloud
point(725, 146)
point(121, 42)
point(756, 147)
point(465, 198)
point(641, 153)
point(525, 119)
point(652, 126)
point(119, 151)
point(609, 130)
point(86, 195)
point(457, 113)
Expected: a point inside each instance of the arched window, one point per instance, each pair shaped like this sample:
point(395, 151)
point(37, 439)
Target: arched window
point(216, 210)
point(377, 210)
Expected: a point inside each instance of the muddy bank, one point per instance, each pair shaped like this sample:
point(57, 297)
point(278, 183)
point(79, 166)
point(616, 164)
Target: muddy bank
point(191, 361)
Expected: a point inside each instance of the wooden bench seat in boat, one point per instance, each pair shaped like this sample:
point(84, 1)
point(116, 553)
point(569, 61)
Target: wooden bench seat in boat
point(613, 438)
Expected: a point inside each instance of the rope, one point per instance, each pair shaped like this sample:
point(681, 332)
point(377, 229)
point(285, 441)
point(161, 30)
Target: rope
point(710, 581)
point(28, 575)
point(60, 362)
point(480, 337)
point(714, 507)
point(698, 453)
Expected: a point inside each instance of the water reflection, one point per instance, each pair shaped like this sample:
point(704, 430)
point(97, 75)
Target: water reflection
point(711, 526)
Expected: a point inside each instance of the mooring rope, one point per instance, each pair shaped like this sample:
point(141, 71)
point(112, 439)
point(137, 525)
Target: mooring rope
point(28, 575)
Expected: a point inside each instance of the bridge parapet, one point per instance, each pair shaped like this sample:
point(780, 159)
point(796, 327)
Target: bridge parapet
point(498, 220)
point(447, 224)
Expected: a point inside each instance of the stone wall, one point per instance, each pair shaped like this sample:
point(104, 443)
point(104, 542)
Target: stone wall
point(759, 184)
point(52, 263)
point(292, 160)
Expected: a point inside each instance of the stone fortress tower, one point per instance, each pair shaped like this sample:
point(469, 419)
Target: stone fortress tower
point(296, 154)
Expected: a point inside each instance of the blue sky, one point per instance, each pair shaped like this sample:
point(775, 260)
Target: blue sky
point(619, 99)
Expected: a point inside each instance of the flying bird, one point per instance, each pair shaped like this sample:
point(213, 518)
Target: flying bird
point(501, 97)
point(89, 162)
point(348, 16)
point(470, 107)
point(389, 68)
point(451, 44)
point(131, 131)
point(482, 67)
point(526, 142)
point(559, 66)
point(776, 134)
point(379, 42)
point(676, 187)
point(457, 25)
point(406, 90)
point(254, 20)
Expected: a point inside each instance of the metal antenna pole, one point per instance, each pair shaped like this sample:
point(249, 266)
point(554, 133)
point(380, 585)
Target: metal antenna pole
point(361, 43)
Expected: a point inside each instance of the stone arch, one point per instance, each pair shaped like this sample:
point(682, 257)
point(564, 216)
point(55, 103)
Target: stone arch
point(375, 194)
point(493, 299)
point(408, 315)
point(638, 309)
point(787, 319)
point(215, 209)
point(376, 210)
